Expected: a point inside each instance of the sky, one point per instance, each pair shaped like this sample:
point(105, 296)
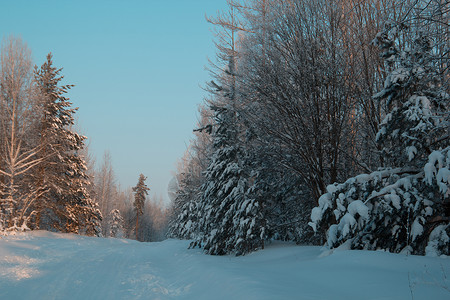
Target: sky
point(138, 67)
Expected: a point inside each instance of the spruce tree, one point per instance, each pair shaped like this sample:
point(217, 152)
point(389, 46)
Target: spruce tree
point(230, 220)
point(229, 217)
point(189, 178)
point(184, 210)
point(67, 205)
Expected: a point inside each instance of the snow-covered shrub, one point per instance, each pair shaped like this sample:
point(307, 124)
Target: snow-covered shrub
point(116, 223)
point(405, 204)
point(438, 241)
point(390, 209)
point(184, 223)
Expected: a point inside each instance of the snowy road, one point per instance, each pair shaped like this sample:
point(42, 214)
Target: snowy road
point(43, 265)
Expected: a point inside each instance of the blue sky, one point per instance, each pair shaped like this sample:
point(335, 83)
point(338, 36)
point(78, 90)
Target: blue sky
point(137, 66)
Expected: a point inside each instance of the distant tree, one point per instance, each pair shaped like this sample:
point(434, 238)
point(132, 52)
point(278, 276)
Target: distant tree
point(115, 224)
point(106, 190)
point(154, 222)
point(140, 192)
point(124, 203)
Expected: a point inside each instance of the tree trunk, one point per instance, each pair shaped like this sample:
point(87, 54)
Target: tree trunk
point(137, 226)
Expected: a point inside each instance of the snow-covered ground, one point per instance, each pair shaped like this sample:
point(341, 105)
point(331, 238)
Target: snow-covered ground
point(43, 265)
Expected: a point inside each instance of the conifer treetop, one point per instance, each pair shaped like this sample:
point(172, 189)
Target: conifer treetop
point(140, 192)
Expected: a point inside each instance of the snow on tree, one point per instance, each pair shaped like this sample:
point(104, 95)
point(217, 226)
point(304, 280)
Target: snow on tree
point(228, 219)
point(185, 208)
point(283, 199)
point(106, 190)
point(224, 219)
point(42, 174)
point(67, 203)
point(140, 193)
point(405, 205)
point(18, 152)
point(80, 211)
point(116, 223)
point(189, 179)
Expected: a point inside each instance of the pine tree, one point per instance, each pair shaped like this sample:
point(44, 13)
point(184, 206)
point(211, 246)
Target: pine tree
point(140, 193)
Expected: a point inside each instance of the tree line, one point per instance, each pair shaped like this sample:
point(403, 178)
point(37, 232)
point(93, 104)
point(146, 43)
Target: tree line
point(327, 122)
point(48, 179)
point(127, 212)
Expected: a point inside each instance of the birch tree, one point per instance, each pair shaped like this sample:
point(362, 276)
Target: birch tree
point(106, 189)
point(18, 156)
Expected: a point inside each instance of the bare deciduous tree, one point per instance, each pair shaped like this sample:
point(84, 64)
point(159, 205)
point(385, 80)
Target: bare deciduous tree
point(18, 155)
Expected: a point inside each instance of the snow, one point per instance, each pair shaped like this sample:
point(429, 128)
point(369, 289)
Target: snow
point(417, 228)
point(394, 199)
point(332, 235)
point(316, 214)
point(44, 265)
point(362, 178)
point(441, 173)
point(332, 188)
point(443, 180)
point(358, 207)
point(347, 222)
point(411, 151)
point(438, 234)
point(325, 199)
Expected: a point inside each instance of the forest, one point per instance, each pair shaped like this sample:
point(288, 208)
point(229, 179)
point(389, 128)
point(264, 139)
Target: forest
point(327, 122)
point(48, 178)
